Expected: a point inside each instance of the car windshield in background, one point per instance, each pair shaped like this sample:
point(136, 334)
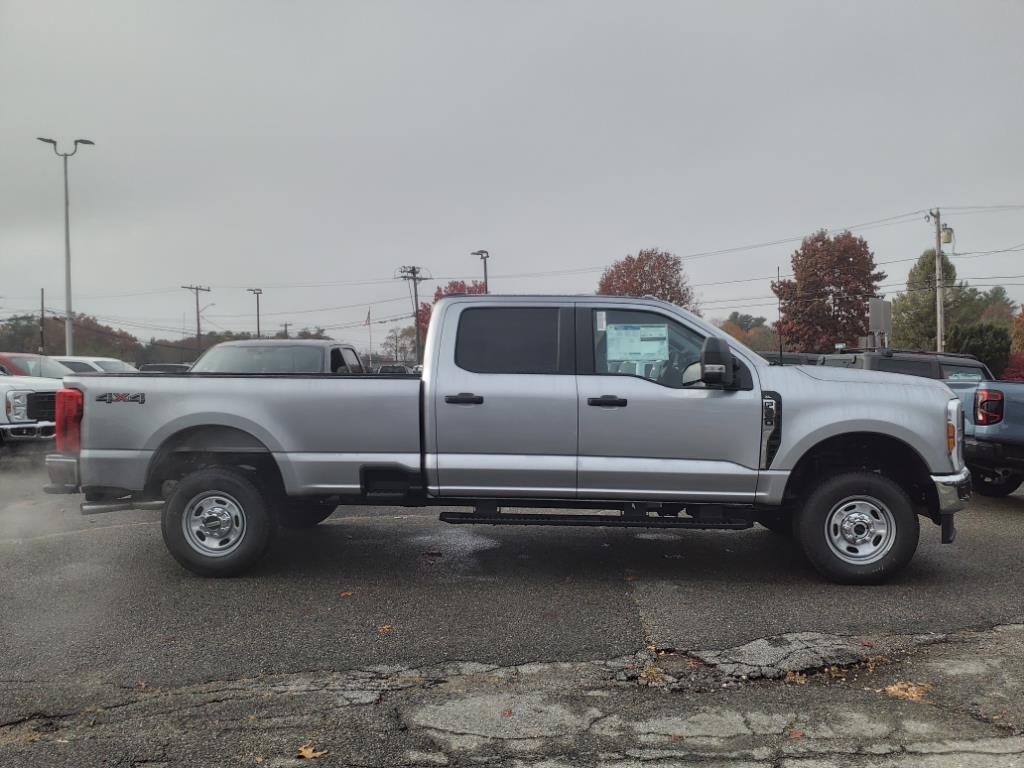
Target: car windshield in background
point(37, 365)
point(255, 359)
point(78, 366)
point(964, 373)
point(116, 366)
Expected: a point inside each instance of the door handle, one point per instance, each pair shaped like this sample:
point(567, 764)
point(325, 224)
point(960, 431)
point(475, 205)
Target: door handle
point(607, 401)
point(464, 398)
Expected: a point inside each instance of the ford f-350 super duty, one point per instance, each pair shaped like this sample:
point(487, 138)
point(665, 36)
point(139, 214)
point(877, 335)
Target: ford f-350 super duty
point(585, 410)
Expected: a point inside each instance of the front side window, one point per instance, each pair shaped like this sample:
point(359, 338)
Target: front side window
point(654, 347)
point(509, 340)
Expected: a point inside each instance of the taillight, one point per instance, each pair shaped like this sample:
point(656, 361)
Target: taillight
point(988, 407)
point(69, 420)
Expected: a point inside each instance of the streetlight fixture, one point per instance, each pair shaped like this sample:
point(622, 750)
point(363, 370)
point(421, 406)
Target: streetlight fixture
point(69, 342)
point(484, 256)
point(257, 292)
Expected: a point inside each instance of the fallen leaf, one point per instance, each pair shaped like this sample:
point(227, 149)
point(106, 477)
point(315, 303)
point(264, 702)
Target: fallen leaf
point(307, 752)
point(795, 734)
point(631, 577)
point(796, 678)
point(385, 629)
point(867, 643)
point(345, 594)
point(907, 691)
point(692, 663)
point(652, 674)
point(675, 737)
point(506, 713)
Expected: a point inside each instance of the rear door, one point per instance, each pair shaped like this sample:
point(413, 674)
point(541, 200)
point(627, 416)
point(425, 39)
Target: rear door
point(504, 401)
point(648, 430)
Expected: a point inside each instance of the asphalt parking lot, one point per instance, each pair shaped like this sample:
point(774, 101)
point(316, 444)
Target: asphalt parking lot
point(386, 637)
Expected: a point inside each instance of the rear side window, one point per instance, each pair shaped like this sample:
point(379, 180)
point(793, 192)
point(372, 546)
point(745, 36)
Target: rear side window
point(964, 373)
point(909, 367)
point(510, 340)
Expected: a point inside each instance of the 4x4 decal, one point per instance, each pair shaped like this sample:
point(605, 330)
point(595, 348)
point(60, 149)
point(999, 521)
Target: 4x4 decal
point(122, 397)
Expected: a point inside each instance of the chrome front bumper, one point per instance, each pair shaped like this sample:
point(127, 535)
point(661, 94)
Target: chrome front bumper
point(32, 430)
point(952, 491)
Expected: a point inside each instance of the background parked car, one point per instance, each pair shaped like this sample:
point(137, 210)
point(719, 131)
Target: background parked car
point(80, 364)
point(26, 364)
point(930, 365)
point(280, 356)
point(27, 412)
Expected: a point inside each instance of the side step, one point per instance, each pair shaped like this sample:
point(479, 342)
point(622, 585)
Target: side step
point(733, 523)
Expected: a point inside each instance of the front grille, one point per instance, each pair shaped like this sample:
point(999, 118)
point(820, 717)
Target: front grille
point(42, 406)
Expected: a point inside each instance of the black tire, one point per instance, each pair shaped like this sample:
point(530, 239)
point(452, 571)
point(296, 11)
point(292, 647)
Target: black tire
point(857, 504)
point(232, 504)
point(991, 484)
point(779, 523)
point(305, 515)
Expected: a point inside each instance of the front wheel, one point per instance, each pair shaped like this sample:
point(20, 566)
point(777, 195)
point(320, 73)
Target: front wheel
point(857, 528)
point(996, 483)
point(216, 523)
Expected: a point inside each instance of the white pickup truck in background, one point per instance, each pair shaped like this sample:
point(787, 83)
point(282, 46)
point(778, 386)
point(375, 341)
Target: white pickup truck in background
point(531, 411)
point(27, 418)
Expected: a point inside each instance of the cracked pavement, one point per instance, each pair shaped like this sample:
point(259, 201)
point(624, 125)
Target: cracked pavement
point(387, 638)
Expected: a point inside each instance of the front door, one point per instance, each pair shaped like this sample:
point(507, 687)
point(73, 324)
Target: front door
point(504, 402)
point(648, 429)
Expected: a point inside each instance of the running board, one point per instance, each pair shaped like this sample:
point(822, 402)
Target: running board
point(593, 521)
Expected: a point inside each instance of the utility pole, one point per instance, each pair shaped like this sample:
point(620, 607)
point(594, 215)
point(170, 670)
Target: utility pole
point(940, 320)
point(413, 273)
point(42, 321)
point(286, 329)
point(199, 335)
point(484, 256)
point(257, 292)
point(69, 340)
point(778, 279)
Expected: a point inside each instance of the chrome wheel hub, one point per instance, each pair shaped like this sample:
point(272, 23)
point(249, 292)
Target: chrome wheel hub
point(860, 530)
point(213, 524)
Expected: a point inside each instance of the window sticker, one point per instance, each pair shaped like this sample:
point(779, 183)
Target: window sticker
point(628, 341)
point(602, 321)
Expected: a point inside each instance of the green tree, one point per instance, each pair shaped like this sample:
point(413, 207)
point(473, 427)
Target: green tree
point(988, 342)
point(745, 322)
point(913, 311)
point(827, 300)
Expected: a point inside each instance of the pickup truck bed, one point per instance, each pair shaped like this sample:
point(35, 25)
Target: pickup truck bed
point(554, 403)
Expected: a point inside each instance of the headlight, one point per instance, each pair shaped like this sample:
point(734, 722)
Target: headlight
point(955, 432)
point(17, 406)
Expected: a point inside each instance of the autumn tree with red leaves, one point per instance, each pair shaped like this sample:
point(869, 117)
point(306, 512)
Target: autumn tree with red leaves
point(650, 273)
point(826, 301)
point(454, 287)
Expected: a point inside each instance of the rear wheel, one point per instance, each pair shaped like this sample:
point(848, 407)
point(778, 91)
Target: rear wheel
point(996, 483)
point(216, 522)
point(857, 528)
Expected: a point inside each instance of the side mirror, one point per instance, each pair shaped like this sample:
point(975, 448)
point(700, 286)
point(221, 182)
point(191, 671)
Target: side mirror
point(716, 364)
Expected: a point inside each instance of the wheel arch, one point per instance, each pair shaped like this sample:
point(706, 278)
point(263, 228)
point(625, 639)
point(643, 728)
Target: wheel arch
point(211, 445)
point(868, 451)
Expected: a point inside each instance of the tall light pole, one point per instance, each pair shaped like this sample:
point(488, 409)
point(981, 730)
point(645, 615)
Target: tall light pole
point(69, 334)
point(484, 256)
point(257, 292)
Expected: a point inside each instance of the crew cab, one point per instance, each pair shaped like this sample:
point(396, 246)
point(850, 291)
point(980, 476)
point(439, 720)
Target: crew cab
point(27, 418)
point(591, 411)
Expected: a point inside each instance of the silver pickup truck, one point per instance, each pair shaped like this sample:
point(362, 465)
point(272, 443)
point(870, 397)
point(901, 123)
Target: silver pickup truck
point(531, 411)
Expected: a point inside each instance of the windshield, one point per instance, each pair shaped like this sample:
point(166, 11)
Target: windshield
point(116, 366)
point(964, 373)
point(261, 359)
point(37, 365)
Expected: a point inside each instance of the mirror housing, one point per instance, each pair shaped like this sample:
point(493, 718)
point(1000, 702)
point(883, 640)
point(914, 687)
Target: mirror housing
point(716, 363)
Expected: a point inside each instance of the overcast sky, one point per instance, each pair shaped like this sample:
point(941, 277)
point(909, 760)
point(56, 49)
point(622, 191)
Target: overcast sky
point(303, 147)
